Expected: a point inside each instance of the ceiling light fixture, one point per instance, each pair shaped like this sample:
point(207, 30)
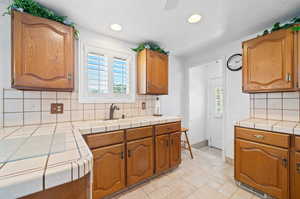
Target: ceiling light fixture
point(116, 27)
point(195, 18)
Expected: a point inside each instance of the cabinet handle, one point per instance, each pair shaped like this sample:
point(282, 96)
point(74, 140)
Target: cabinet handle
point(261, 137)
point(288, 77)
point(285, 162)
point(69, 76)
point(122, 155)
point(298, 167)
point(172, 142)
point(129, 153)
point(167, 143)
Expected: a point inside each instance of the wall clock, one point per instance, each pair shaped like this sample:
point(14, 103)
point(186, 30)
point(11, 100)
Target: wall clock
point(234, 63)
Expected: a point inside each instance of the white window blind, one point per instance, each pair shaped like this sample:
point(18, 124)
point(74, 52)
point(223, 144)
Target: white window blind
point(106, 75)
point(97, 74)
point(120, 76)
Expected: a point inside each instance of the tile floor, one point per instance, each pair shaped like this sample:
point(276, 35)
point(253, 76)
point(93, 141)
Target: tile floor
point(205, 177)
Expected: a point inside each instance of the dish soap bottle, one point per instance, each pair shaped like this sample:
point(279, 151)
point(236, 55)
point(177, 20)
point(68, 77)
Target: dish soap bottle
point(157, 108)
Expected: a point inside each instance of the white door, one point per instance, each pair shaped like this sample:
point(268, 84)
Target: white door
point(215, 112)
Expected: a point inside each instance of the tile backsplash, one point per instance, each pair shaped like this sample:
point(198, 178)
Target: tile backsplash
point(33, 107)
point(276, 106)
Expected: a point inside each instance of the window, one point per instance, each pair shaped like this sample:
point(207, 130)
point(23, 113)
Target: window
point(106, 76)
point(219, 102)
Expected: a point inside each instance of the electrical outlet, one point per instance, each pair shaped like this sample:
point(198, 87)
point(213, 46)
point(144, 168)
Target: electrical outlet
point(57, 108)
point(143, 105)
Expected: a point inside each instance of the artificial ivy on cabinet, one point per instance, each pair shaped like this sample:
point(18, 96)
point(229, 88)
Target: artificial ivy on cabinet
point(36, 9)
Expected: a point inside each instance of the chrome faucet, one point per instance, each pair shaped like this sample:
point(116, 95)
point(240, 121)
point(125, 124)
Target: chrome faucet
point(112, 109)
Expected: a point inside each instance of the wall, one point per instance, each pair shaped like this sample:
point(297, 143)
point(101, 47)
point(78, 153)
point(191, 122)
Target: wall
point(197, 103)
point(22, 108)
point(236, 103)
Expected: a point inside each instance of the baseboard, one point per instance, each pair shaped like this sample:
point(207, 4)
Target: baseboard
point(200, 144)
point(229, 160)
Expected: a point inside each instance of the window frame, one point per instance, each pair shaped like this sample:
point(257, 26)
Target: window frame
point(84, 96)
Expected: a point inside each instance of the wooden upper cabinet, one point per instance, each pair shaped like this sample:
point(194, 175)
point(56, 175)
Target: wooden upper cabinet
point(109, 170)
point(269, 64)
point(175, 149)
point(152, 70)
point(42, 54)
point(263, 167)
point(139, 160)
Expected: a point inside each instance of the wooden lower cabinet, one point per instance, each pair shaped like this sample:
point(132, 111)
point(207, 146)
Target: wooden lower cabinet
point(263, 167)
point(162, 153)
point(295, 176)
point(139, 160)
point(175, 149)
point(125, 158)
point(109, 170)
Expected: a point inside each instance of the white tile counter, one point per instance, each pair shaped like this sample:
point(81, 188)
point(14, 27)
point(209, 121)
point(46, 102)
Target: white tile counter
point(35, 158)
point(281, 126)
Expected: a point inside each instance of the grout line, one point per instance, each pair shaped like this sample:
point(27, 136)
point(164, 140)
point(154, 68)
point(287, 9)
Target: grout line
point(23, 108)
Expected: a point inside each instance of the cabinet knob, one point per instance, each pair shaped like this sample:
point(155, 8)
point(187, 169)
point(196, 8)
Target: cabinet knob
point(261, 137)
point(129, 153)
point(298, 167)
point(70, 76)
point(285, 162)
point(288, 77)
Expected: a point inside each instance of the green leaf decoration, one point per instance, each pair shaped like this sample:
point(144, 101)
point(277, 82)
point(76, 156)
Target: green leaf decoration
point(36, 9)
point(150, 45)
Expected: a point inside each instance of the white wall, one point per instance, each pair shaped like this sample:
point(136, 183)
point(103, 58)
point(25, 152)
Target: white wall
point(236, 103)
point(172, 104)
point(197, 103)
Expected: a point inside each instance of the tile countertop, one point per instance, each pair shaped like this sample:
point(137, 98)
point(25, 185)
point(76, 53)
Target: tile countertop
point(281, 126)
point(35, 158)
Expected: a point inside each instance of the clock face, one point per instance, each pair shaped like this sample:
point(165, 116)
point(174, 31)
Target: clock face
point(234, 63)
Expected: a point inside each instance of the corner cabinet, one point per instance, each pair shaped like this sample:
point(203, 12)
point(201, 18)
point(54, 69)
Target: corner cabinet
point(270, 62)
point(262, 161)
point(42, 54)
point(152, 73)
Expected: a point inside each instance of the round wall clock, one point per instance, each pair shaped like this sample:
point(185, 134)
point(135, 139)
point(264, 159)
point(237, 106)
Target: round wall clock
point(234, 63)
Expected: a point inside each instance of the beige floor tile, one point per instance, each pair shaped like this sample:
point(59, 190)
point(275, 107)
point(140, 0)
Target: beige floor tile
point(204, 177)
point(241, 194)
point(206, 192)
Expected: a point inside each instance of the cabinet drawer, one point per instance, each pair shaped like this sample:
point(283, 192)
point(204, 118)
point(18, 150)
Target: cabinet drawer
point(104, 139)
point(297, 143)
point(138, 133)
point(276, 139)
point(167, 128)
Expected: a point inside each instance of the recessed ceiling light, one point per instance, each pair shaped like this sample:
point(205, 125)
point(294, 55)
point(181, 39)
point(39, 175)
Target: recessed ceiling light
point(195, 18)
point(116, 27)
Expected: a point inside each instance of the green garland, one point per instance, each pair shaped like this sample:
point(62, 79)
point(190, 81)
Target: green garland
point(291, 24)
point(36, 9)
point(150, 45)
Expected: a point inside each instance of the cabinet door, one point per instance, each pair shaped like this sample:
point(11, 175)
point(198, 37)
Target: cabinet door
point(162, 153)
point(268, 62)
point(139, 160)
point(296, 174)
point(175, 149)
point(262, 167)
point(109, 170)
point(42, 54)
point(157, 73)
